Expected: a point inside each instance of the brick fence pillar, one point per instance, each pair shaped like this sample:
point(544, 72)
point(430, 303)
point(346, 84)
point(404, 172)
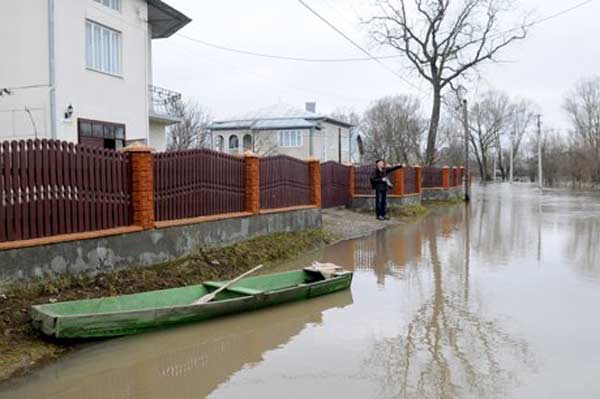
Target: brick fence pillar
point(418, 179)
point(351, 184)
point(142, 184)
point(398, 182)
point(446, 177)
point(314, 170)
point(462, 174)
point(252, 182)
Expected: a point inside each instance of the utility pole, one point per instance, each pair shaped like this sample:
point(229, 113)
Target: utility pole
point(539, 136)
point(512, 148)
point(466, 126)
point(495, 167)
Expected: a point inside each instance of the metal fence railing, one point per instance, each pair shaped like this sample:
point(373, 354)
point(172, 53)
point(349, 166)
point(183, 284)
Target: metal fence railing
point(335, 184)
point(284, 182)
point(196, 183)
point(50, 187)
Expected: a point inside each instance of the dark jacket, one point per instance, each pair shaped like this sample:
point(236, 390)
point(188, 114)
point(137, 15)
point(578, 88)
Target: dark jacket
point(378, 175)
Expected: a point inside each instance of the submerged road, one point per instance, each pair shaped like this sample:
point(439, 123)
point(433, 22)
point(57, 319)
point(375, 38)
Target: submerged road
point(496, 300)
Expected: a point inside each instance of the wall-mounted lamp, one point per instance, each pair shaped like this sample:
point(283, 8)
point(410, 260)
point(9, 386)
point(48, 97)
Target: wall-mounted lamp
point(69, 112)
point(4, 92)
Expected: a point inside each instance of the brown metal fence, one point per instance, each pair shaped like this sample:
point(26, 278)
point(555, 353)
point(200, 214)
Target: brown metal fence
point(196, 183)
point(335, 184)
point(410, 183)
point(284, 182)
point(362, 179)
point(432, 177)
point(49, 187)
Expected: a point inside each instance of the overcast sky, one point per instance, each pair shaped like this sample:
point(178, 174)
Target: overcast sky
point(542, 68)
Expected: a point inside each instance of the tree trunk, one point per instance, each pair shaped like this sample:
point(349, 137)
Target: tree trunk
point(433, 126)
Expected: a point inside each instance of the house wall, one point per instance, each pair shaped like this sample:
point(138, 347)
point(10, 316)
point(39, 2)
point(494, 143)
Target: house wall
point(93, 95)
point(325, 143)
point(158, 137)
point(24, 49)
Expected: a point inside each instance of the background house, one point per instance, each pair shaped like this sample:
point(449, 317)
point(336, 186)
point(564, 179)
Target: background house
point(282, 129)
point(81, 71)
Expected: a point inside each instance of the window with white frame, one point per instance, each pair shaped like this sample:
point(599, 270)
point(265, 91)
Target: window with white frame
point(290, 138)
point(114, 4)
point(103, 48)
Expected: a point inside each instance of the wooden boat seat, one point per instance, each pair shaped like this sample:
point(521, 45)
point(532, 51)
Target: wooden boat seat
point(237, 290)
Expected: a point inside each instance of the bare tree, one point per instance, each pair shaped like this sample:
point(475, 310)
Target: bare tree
point(520, 119)
point(264, 143)
point(444, 40)
point(582, 105)
point(488, 119)
point(192, 132)
point(394, 129)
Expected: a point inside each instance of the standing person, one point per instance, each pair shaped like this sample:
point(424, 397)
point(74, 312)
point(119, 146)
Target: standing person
point(381, 183)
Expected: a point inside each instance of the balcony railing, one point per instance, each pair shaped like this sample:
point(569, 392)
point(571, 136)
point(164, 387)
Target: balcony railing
point(164, 102)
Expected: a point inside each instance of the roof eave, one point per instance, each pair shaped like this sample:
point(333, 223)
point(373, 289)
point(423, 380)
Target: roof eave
point(174, 19)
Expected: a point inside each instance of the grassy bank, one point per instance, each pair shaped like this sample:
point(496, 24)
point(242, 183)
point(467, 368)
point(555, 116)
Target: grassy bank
point(22, 348)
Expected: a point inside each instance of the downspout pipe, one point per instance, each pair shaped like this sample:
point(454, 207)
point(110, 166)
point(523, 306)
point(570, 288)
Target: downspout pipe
point(51, 69)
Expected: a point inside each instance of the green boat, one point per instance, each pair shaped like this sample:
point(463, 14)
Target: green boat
point(132, 314)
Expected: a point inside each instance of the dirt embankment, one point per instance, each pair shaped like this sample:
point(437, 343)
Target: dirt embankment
point(22, 348)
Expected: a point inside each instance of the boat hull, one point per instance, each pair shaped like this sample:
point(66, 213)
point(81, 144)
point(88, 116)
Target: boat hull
point(110, 324)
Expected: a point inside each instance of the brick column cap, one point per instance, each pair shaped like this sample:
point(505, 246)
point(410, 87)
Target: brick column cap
point(137, 147)
point(313, 159)
point(250, 154)
point(445, 167)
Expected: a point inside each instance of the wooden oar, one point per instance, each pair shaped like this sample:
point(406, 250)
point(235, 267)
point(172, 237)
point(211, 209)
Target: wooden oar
point(209, 297)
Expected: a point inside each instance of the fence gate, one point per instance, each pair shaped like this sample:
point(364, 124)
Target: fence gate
point(335, 184)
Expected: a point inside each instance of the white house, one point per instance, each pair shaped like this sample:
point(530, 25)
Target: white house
point(81, 70)
point(282, 129)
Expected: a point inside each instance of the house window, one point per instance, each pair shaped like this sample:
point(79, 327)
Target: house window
point(114, 4)
point(101, 134)
point(234, 143)
point(220, 144)
point(103, 49)
point(247, 142)
point(290, 138)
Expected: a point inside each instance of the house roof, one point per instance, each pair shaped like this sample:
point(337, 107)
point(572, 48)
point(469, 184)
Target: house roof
point(265, 124)
point(279, 116)
point(164, 19)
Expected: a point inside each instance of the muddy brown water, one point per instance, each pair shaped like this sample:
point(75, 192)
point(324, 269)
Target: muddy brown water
point(500, 300)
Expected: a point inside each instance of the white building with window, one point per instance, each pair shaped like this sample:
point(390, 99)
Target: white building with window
point(281, 129)
point(81, 71)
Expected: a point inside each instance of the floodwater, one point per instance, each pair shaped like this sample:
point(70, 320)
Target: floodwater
point(498, 300)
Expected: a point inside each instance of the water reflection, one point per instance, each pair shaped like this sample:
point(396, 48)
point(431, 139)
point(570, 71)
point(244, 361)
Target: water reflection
point(189, 362)
point(448, 348)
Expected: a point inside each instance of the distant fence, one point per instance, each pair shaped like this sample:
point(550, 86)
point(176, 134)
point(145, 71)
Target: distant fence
point(197, 183)
point(335, 184)
point(410, 182)
point(284, 182)
point(49, 187)
point(432, 177)
point(362, 179)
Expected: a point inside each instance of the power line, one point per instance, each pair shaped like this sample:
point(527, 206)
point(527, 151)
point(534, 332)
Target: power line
point(358, 46)
point(280, 57)
point(359, 59)
point(25, 87)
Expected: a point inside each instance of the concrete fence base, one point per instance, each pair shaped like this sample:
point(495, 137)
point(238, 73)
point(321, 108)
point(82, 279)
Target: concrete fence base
point(148, 247)
point(440, 194)
point(367, 202)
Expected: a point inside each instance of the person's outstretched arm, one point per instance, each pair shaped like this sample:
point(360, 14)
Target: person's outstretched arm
point(389, 169)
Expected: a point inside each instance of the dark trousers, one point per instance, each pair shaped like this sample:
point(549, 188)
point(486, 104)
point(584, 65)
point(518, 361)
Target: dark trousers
point(380, 203)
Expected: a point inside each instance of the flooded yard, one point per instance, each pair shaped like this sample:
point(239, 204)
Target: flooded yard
point(496, 300)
